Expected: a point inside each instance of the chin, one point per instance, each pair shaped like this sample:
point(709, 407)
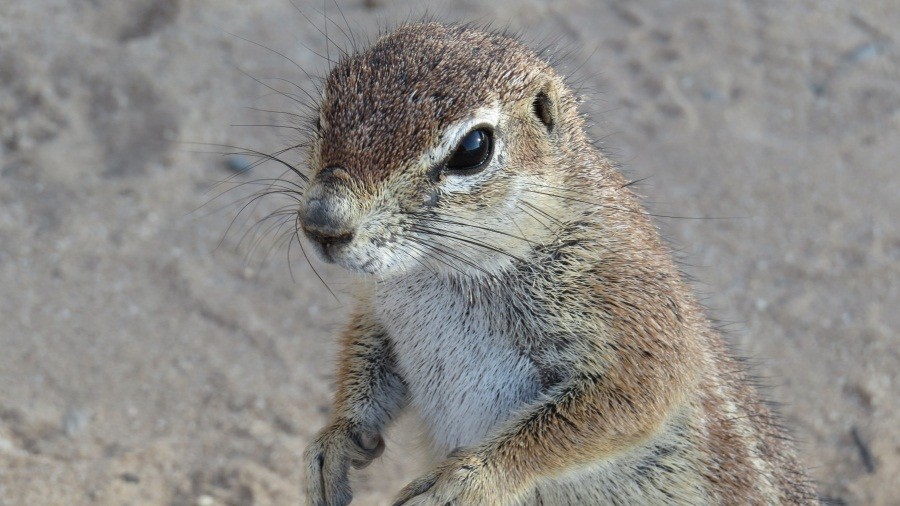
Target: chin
point(380, 265)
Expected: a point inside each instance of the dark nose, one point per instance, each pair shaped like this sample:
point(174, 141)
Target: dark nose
point(320, 224)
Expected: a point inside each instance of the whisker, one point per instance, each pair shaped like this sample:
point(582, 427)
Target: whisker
point(622, 209)
point(450, 235)
point(271, 111)
point(417, 259)
point(351, 37)
point(311, 78)
point(271, 182)
point(532, 216)
point(516, 224)
point(326, 57)
point(472, 225)
point(260, 125)
point(292, 97)
point(290, 193)
point(308, 106)
point(278, 216)
point(281, 235)
point(260, 236)
point(266, 156)
point(252, 199)
point(542, 212)
point(634, 182)
point(442, 252)
point(305, 255)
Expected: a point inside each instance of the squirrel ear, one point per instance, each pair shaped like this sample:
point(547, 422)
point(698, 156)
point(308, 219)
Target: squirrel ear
point(545, 106)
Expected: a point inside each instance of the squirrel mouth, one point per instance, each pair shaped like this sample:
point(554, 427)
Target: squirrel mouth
point(326, 242)
point(325, 255)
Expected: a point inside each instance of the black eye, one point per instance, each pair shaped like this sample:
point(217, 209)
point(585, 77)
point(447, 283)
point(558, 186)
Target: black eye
point(473, 153)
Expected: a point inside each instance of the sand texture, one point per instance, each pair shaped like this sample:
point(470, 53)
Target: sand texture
point(145, 360)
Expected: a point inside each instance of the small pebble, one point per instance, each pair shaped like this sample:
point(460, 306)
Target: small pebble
point(74, 421)
point(865, 454)
point(865, 52)
point(205, 500)
point(818, 89)
point(130, 478)
point(6, 446)
point(238, 163)
point(714, 96)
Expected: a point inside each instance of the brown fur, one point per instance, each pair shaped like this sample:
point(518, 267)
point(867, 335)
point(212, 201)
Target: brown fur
point(638, 402)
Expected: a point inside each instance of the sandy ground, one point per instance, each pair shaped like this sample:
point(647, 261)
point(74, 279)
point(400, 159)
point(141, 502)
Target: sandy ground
point(142, 363)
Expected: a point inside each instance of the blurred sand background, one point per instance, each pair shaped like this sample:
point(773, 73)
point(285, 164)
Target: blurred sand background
point(141, 363)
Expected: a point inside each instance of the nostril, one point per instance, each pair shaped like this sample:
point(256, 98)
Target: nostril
point(329, 237)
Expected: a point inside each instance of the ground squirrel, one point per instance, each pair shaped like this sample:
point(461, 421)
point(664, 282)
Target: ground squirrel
point(515, 295)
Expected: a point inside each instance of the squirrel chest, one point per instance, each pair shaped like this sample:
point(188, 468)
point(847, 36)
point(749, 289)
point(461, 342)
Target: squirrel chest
point(464, 374)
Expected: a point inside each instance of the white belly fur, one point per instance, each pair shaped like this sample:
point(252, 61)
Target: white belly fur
point(463, 378)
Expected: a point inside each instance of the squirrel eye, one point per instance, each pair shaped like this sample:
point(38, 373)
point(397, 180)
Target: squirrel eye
point(472, 154)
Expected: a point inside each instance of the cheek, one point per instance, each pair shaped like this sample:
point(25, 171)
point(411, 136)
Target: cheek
point(482, 203)
point(530, 155)
point(416, 198)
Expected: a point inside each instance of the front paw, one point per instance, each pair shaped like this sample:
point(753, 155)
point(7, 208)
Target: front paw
point(329, 457)
point(461, 480)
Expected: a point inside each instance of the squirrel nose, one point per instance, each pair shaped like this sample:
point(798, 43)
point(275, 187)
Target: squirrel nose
point(323, 225)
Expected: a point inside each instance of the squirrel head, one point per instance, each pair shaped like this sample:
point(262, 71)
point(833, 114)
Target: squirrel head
point(424, 147)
